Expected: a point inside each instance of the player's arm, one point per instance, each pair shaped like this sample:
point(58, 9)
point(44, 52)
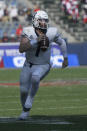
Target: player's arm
point(62, 43)
point(26, 43)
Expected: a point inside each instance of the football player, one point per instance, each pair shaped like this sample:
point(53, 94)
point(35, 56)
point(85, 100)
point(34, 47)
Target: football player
point(36, 43)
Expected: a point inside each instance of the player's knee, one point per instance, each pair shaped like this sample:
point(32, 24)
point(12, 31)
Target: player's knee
point(23, 90)
point(35, 79)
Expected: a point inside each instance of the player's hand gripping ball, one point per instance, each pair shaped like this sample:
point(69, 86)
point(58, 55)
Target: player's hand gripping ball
point(43, 41)
point(65, 63)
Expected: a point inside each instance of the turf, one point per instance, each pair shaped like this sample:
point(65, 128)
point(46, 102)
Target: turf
point(55, 74)
point(51, 102)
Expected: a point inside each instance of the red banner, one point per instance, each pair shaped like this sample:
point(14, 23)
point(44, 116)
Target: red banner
point(1, 63)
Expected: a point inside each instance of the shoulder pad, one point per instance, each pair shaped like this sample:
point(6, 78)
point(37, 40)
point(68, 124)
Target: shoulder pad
point(52, 32)
point(29, 32)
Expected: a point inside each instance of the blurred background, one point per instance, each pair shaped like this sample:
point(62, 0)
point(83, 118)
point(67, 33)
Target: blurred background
point(69, 16)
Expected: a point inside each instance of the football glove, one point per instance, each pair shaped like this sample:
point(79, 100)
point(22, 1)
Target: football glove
point(65, 62)
point(43, 42)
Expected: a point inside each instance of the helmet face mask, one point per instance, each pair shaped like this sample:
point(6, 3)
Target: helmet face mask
point(40, 20)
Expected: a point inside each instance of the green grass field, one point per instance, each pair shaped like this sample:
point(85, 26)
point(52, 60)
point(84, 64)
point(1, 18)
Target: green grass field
point(69, 98)
point(60, 105)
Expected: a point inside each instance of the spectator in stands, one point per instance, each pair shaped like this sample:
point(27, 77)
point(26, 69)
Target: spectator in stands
point(1, 14)
point(13, 38)
point(5, 37)
point(75, 10)
point(84, 11)
point(13, 13)
point(19, 30)
point(70, 8)
point(21, 11)
point(6, 14)
point(29, 15)
point(36, 8)
point(85, 14)
point(64, 6)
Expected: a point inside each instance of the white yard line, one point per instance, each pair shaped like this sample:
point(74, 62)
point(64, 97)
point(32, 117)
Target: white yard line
point(44, 101)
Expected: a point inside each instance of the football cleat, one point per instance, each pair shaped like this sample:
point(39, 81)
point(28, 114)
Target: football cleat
point(24, 115)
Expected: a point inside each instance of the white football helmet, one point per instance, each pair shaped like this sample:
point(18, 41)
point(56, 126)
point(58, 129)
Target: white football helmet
point(40, 20)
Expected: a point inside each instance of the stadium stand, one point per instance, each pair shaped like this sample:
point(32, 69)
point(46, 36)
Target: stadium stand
point(15, 13)
point(77, 30)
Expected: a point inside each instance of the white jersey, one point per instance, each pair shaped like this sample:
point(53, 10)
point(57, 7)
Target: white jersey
point(44, 56)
